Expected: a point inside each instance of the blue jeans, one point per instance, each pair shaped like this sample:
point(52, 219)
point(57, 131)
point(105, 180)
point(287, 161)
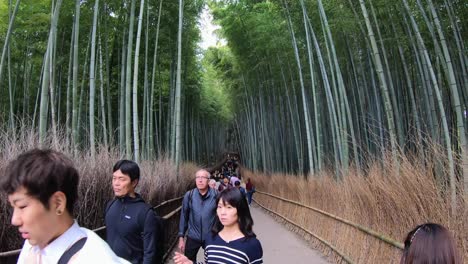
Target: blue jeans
point(249, 196)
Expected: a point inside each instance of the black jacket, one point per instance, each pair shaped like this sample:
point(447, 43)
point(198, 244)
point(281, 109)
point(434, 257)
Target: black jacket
point(131, 229)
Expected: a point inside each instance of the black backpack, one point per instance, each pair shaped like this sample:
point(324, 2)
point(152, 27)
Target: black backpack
point(159, 247)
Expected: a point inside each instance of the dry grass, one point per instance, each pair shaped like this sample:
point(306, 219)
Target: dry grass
point(158, 182)
point(381, 201)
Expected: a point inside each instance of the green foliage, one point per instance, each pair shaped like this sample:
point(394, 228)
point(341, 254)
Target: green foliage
point(217, 70)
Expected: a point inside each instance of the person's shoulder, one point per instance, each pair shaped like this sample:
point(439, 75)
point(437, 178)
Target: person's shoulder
point(211, 238)
point(254, 249)
point(253, 242)
point(189, 193)
point(95, 248)
point(213, 193)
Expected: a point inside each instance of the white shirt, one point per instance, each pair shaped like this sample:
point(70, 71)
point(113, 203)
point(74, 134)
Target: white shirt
point(53, 251)
point(95, 249)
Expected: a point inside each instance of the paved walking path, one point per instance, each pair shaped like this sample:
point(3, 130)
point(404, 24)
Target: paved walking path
point(280, 246)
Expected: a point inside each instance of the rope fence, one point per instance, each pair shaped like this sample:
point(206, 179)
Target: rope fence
point(337, 251)
point(365, 230)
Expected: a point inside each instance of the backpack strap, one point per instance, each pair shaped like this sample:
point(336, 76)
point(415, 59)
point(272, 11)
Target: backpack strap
point(68, 254)
point(190, 198)
point(142, 217)
point(109, 205)
point(187, 215)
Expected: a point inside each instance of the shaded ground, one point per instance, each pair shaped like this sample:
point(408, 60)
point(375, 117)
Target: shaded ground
point(279, 245)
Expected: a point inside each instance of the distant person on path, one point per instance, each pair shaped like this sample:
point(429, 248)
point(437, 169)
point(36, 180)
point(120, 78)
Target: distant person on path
point(212, 184)
point(232, 239)
point(131, 225)
point(241, 189)
point(250, 190)
point(42, 188)
point(224, 184)
point(197, 215)
point(430, 243)
point(233, 180)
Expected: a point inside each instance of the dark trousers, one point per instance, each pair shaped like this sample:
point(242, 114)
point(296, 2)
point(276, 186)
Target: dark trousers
point(249, 196)
point(191, 248)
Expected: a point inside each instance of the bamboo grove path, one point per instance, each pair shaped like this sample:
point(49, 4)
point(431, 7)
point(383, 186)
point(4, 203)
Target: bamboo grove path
point(279, 244)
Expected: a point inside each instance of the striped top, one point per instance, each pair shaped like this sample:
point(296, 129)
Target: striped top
point(239, 251)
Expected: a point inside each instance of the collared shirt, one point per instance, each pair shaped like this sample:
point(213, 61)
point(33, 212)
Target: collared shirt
point(53, 251)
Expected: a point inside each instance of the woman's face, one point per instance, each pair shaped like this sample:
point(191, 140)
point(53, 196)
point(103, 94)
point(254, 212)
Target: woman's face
point(227, 213)
point(34, 221)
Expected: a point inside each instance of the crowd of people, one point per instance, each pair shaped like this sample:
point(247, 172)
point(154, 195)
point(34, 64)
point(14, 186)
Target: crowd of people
point(42, 188)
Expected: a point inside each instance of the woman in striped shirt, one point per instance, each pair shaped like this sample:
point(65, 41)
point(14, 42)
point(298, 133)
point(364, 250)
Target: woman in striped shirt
point(232, 239)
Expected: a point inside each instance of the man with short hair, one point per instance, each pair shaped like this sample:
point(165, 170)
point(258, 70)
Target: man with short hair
point(131, 224)
point(197, 216)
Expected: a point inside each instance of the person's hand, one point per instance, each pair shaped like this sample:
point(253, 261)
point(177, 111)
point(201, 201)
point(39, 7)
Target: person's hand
point(181, 245)
point(180, 258)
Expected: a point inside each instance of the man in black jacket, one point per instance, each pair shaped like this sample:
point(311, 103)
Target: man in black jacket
point(197, 215)
point(131, 224)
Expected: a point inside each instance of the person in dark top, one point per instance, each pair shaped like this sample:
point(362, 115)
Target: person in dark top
point(224, 184)
point(250, 190)
point(131, 225)
point(197, 215)
point(232, 239)
point(241, 189)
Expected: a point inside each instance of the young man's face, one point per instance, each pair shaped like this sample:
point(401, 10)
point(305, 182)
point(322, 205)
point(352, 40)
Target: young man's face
point(35, 223)
point(122, 184)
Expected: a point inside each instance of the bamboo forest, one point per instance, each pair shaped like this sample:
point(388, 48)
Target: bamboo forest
point(300, 87)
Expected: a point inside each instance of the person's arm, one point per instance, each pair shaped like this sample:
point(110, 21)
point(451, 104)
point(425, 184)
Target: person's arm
point(183, 222)
point(181, 259)
point(256, 251)
point(150, 237)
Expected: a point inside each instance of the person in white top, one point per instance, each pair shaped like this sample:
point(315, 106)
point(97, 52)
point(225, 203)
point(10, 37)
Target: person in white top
point(42, 187)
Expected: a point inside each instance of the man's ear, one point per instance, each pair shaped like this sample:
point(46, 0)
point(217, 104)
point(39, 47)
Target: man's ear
point(58, 202)
point(135, 183)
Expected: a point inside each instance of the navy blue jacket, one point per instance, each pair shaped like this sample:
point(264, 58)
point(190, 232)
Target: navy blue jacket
point(198, 214)
point(131, 229)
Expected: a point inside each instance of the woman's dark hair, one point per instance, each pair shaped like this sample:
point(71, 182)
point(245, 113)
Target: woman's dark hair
point(235, 198)
point(429, 243)
point(129, 168)
point(42, 173)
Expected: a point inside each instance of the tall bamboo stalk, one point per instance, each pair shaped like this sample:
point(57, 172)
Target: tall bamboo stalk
point(178, 123)
point(92, 83)
point(136, 138)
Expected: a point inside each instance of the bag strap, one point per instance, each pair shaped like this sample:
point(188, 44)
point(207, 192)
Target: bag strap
point(190, 198)
point(68, 254)
point(109, 205)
